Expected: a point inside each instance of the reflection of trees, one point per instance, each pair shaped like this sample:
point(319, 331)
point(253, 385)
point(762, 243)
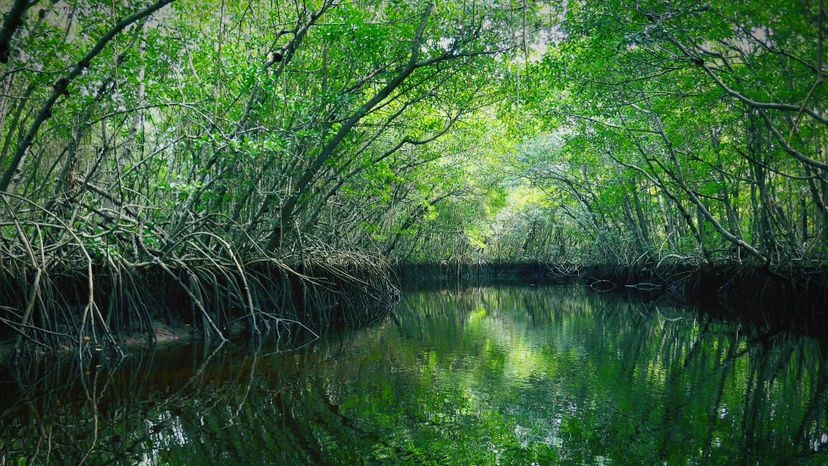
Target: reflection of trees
point(605, 376)
point(185, 407)
point(724, 390)
point(681, 386)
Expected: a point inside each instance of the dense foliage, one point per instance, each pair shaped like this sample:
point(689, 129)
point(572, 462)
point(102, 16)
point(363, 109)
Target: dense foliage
point(662, 131)
point(688, 128)
point(183, 133)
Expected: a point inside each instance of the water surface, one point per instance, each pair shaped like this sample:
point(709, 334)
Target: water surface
point(509, 375)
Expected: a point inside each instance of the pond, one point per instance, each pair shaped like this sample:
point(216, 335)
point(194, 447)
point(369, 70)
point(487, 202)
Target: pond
point(491, 375)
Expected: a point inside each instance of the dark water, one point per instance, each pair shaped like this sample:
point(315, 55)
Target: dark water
point(515, 375)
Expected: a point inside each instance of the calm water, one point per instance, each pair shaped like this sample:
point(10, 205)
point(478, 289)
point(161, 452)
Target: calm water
point(515, 375)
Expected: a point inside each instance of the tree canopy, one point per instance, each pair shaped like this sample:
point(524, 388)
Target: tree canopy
point(467, 130)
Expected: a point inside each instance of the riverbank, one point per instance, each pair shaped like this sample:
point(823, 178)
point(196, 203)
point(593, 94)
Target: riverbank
point(109, 310)
point(295, 304)
point(791, 295)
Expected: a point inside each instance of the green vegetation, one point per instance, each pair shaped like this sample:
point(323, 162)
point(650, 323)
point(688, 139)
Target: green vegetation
point(200, 140)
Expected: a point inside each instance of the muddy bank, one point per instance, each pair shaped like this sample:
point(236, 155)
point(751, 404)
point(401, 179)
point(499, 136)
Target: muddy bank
point(163, 334)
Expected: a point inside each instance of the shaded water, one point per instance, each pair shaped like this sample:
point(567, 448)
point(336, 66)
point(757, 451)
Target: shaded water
point(513, 375)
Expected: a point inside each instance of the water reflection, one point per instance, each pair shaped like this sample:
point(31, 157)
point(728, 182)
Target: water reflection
point(509, 375)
